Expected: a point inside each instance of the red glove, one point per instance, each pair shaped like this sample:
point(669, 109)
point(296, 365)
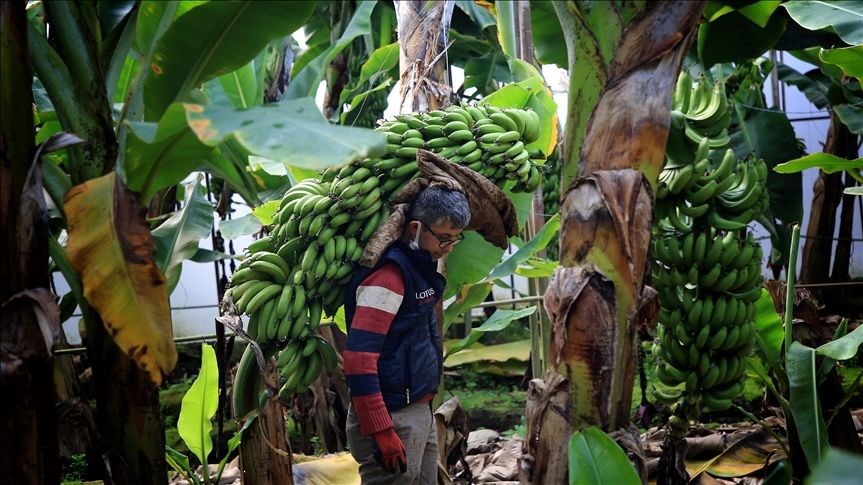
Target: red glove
point(390, 450)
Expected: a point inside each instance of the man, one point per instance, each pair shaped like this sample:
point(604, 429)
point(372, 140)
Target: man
point(393, 358)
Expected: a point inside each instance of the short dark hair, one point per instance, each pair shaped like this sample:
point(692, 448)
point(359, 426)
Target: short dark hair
point(436, 205)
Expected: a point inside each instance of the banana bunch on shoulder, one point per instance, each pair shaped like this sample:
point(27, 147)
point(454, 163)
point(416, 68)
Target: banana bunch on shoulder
point(296, 276)
point(301, 362)
point(706, 268)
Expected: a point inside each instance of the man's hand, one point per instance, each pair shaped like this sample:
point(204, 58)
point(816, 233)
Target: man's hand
point(390, 450)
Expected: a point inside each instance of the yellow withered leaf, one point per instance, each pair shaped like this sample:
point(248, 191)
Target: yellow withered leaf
point(111, 248)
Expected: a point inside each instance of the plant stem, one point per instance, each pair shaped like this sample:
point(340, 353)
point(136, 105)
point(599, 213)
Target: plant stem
point(789, 285)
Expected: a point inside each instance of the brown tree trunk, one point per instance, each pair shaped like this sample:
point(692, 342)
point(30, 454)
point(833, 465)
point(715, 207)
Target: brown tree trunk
point(265, 456)
point(842, 258)
point(827, 195)
point(28, 453)
point(422, 28)
point(614, 147)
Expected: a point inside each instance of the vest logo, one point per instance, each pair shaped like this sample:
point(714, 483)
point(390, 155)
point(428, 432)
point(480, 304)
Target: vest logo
point(425, 295)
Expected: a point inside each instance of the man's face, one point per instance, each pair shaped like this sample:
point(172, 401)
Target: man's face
point(438, 240)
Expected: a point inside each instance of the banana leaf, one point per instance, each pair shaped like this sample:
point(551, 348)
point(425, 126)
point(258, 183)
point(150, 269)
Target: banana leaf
point(306, 82)
point(160, 155)
point(837, 467)
point(177, 238)
point(804, 402)
point(241, 226)
point(223, 36)
point(199, 406)
point(293, 132)
point(111, 247)
point(499, 320)
point(594, 458)
point(843, 17)
point(849, 59)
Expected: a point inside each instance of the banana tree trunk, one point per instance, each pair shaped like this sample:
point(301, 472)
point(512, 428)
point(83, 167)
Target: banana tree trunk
point(28, 453)
point(422, 27)
point(623, 63)
point(127, 402)
point(818, 248)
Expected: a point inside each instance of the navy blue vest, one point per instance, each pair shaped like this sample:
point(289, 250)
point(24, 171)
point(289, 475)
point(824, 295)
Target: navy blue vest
point(411, 360)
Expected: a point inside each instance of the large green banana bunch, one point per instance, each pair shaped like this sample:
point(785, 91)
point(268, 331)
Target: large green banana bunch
point(696, 114)
point(707, 270)
point(551, 197)
point(297, 274)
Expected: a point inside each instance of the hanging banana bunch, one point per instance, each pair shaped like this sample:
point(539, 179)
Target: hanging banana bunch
point(290, 279)
point(707, 270)
point(551, 197)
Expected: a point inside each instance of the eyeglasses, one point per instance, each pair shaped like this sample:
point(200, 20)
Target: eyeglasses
point(444, 243)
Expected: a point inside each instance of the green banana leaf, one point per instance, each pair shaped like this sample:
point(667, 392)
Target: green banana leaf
point(382, 60)
point(241, 85)
point(506, 30)
point(594, 458)
point(222, 167)
point(160, 155)
point(812, 56)
point(757, 12)
point(469, 297)
point(484, 72)
point(536, 244)
point(222, 36)
point(849, 59)
point(498, 321)
point(293, 132)
point(804, 402)
point(517, 352)
point(203, 255)
point(769, 328)
point(116, 48)
point(306, 82)
point(199, 406)
point(843, 348)
point(838, 467)
point(536, 268)
point(843, 17)
point(470, 262)
point(814, 84)
point(266, 211)
point(241, 226)
point(734, 38)
point(479, 15)
point(827, 162)
point(177, 238)
point(547, 34)
point(180, 463)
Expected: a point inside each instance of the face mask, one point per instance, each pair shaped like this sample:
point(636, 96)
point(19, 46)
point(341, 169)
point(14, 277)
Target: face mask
point(415, 244)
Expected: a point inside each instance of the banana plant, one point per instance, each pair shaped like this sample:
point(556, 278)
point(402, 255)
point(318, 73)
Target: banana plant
point(597, 290)
point(195, 424)
point(792, 375)
point(153, 141)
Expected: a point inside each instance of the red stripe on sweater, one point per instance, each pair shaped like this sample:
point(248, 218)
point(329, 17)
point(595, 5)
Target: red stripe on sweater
point(360, 362)
point(388, 276)
point(372, 320)
point(372, 413)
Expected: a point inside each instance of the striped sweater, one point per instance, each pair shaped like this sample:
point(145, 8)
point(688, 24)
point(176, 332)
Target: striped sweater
point(379, 298)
